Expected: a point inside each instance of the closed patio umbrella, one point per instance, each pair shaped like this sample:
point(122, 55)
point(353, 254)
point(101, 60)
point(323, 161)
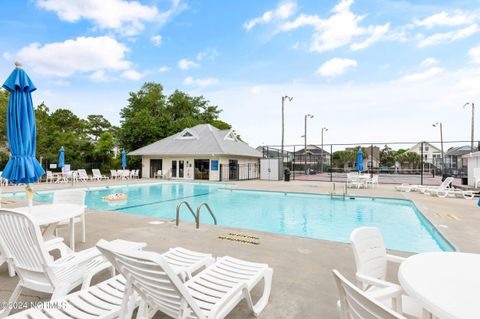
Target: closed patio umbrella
point(61, 158)
point(124, 159)
point(22, 167)
point(359, 160)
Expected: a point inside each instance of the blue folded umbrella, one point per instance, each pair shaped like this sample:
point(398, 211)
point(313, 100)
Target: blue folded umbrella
point(61, 158)
point(124, 159)
point(359, 160)
point(22, 167)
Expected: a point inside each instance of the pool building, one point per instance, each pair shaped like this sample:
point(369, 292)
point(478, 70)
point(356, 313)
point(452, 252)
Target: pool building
point(202, 152)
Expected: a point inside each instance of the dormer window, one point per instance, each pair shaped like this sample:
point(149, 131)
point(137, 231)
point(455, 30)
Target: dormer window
point(186, 134)
point(231, 136)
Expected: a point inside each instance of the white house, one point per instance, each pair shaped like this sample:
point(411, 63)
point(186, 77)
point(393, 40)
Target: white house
point(431, 154)
point(200, 152)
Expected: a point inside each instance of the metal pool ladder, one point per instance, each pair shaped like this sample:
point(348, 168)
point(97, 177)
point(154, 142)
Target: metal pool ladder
point(195, 216)
point(334, 195)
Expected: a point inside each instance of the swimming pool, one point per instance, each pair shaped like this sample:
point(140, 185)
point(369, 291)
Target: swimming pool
point(307, 215)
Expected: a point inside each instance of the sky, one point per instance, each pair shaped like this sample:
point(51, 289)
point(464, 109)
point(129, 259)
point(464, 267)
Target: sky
point(368, 70)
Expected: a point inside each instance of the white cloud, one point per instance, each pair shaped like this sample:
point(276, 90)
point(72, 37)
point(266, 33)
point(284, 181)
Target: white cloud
point(475, 54)
point(125, 17)
point(450, 36)
point(443, 18)
point(338, 30)
point(61, 82)
point(156, 40)
point(83, 54)
point(6, 56)
point(163, 69)
point(208, 53)
point(132, 75)
point(99, 76)
point(429, 62)
point(200, 82)
point(335, 67)
point(421, 76)
point(283, 11)
point(185, 64)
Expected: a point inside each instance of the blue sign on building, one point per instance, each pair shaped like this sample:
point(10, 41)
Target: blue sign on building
point(214, 165)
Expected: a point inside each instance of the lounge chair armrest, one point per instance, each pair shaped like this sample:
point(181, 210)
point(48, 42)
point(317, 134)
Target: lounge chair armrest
point(78, 259)
point(386, 293)
point(57, 243)
point(239, 288)
point(395, 259)
point(373, 281)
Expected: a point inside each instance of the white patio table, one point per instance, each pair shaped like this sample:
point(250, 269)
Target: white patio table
point(51, 214)
point(446, 284)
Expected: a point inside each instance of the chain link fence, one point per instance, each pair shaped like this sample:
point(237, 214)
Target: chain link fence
point(395, 162)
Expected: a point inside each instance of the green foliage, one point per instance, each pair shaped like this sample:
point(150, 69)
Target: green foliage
point(3, 116)
point(150, 115)
point(344, 158)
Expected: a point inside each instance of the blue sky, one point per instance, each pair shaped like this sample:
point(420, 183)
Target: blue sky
point(368, 70)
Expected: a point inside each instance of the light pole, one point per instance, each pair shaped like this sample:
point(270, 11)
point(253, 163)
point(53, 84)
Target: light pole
point(285, 97)
point(324, 129)
point(473, 122)
point(305, 136)
point(439, 124)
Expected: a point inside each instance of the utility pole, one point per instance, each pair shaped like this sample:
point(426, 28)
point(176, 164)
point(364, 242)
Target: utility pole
point(285, 97)
point(439, 124)
point(305, 136)
point(473, 124)
point(324, 129)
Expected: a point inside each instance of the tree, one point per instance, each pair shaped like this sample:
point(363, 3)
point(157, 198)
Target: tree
point(150, 115)
point(4, 95)
point(96, 125)
point(410, 158)
point(344, 158)
point(387, 156)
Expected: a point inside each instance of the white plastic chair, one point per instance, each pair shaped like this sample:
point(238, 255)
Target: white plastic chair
point(158, 174)
point(98, 175)
point(356, 304)
point(21, 239)
point(373, 181)
point(113, 174)
point(72, 196)
point(371, 260)
point(83, 176)
point(476, 177)
point(211, 294)
point(49, 177)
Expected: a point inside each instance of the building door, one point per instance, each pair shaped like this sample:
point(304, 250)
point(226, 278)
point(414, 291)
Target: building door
point(181, 167)
point(232, 169)
point(202, 169)
point(155, 166)
point(174, 168)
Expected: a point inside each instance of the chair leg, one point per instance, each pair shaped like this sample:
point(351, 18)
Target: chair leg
point(11, 269)
point(60, 292)
point(84, 233)
point(13, 298)
point(267, 288)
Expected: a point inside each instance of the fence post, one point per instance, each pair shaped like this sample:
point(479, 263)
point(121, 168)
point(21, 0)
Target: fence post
point(293, 163)
point(421, 165)
point(331, 163)
point(221, 172)
point(371, 160)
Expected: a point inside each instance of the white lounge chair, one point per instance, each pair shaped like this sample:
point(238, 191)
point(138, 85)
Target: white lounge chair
point(72, 196)
point(105, 299)
point(456, 192)
point(371, 260)
point(372, 181)
point(83, 176)
point(422, 188)
point(158, 174)
point(211, 294)
point(113, 174)
point(97, 175)
point(356, 304)
point(22, 241)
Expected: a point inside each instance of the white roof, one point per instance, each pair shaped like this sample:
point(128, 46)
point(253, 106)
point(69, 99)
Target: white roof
point(203, 139)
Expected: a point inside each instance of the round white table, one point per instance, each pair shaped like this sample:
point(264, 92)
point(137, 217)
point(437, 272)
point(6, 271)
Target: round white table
point(51, 214)
point(446, 284)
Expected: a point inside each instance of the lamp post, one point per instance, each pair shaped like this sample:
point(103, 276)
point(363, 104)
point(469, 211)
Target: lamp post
point(439, 124)
point(473, 122)
point(324, 129)
point(305, 137)
point(288, 98)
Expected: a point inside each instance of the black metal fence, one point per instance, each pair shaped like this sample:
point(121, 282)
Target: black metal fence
point(421, 162)
point(239, 172)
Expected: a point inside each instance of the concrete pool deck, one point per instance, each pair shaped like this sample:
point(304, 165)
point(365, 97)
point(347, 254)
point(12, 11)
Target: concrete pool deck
point(303, 286)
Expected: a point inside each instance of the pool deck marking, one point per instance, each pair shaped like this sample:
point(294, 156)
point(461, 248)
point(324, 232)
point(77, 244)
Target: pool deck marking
point(240, 238)
point(455, 217)
point(449, 216)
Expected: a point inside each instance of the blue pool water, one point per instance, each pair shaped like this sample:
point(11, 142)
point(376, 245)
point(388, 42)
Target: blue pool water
point(315, 216)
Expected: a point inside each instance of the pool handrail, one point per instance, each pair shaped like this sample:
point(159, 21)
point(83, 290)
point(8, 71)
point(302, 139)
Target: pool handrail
point(189, 208)
point(209, 210)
